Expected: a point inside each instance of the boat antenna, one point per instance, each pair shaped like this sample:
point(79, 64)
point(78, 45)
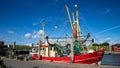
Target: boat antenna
point(43, 25)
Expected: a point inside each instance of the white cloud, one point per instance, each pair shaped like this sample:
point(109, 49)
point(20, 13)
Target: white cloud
point(107, 11)
point(27, 35)
point(40, 32)
point(108, 39)
point(104, 11)
point(35, 34)
point(56, 0)
point(116, 42)
point(34, 24)
point(115, 27)
point(10, 32)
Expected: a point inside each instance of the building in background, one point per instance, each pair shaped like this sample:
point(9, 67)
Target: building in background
point(116, 47)
point(3, 49)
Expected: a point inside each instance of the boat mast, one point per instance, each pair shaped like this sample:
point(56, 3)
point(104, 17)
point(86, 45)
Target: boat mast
point(75, 23)
point(73, 16)
point(72, 45)
point(79, 32)
point(76, 29)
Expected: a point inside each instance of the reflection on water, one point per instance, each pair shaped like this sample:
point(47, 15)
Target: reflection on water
point(113, 60)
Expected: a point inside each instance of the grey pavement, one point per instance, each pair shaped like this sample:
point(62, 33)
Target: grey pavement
point(12, 63)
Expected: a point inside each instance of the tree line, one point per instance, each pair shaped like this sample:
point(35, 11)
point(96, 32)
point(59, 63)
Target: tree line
point(105, 45)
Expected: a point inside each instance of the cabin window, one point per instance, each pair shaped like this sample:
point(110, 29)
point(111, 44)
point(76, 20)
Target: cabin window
point(118, 46)
point(54, 49)
point(40, 48)
point(51, 48)
point(43, 49)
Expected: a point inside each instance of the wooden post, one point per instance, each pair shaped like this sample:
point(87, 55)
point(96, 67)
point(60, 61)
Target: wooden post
point(39, 47)
point(72, 52)
point(14, 45)
point(39, 50)
point(13, 48)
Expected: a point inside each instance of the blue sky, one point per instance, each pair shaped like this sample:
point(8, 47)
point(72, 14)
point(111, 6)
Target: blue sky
point(20, 19)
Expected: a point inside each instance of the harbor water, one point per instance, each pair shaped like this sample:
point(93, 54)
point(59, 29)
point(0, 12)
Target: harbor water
point(112, 60)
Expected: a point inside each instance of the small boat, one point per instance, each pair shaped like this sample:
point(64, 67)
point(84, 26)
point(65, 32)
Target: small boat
point(71, 52)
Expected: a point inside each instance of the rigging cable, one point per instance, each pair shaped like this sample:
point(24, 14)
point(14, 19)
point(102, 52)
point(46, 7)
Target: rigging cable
point(88, 29)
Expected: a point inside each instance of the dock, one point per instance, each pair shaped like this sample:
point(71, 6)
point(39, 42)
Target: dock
point(21, 51)
point(13, 63)
point(111, 53)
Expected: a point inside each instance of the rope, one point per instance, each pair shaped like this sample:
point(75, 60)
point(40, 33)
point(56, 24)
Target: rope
point(88, 29)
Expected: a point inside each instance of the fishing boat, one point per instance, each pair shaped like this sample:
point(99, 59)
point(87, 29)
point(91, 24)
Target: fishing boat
point(71, 51)
point(89, 58)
